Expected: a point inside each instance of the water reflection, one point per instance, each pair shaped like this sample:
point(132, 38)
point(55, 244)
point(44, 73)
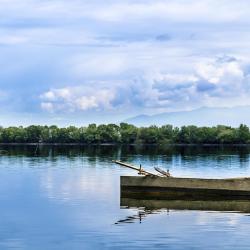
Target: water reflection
point(220, 206)
point(148, 207)
point(166, 155)
point(68, 197)
point(139, 216)
point(125, 151)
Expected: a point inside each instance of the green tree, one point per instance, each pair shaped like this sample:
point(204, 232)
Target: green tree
point(34, 133)
point(243, 134)
point(128, 133)
point(148, 135)
point(226, 134)
point(91, 134)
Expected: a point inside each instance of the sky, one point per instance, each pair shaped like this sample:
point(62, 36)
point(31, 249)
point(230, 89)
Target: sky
point(82, 61)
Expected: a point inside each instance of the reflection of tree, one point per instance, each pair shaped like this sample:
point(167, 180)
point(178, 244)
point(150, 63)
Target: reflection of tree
point(163, 155)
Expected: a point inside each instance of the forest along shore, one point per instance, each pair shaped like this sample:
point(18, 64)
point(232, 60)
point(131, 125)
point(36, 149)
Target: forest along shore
point(125, 134)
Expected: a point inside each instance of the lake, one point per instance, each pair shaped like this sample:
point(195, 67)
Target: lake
point(68, 197)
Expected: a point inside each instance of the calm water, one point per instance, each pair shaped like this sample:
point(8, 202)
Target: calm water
point(68, 198)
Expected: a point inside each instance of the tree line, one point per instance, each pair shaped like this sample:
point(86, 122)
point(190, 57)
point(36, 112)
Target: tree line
point(126, 134)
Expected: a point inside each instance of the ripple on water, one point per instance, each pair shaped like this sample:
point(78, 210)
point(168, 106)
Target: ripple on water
point(70, 198)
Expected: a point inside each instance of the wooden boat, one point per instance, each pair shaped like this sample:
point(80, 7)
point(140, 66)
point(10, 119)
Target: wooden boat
point(152, 186)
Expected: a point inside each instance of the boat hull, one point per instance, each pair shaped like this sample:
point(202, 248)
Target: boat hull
point(185, 188)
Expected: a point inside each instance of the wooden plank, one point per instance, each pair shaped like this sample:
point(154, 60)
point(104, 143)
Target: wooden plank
point(194, 183)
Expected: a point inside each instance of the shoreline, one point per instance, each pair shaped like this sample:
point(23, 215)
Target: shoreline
point(119, 144)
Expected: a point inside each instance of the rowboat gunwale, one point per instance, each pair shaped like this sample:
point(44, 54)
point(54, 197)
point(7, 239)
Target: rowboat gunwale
point(184, 188)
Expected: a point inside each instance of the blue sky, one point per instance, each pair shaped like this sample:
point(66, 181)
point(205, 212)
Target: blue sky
point(81, 61)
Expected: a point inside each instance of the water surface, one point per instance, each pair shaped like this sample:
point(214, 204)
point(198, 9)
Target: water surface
point(68, 198)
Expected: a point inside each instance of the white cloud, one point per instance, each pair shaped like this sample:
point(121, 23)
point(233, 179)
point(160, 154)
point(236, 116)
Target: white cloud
point(112, 48)
point(49, 96)
point(211, 82)
point(117, 10)
point(73, 99)
point(217, 73)
point(216, 82)
point(193, 10)
point(47, 106)
point(100, 64)
point(85, 103)
point(12, 39)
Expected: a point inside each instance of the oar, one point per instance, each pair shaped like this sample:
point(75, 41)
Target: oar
point(140, 170)
point(161, 171)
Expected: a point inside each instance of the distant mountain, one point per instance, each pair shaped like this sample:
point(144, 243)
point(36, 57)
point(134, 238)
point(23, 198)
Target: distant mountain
point(201, 117)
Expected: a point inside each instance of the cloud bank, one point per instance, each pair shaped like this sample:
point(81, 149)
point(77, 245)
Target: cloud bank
point(121, 57)
point(210, 82)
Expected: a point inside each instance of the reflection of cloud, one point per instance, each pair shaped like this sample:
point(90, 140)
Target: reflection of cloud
point(76, 185)
point(213, 218)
